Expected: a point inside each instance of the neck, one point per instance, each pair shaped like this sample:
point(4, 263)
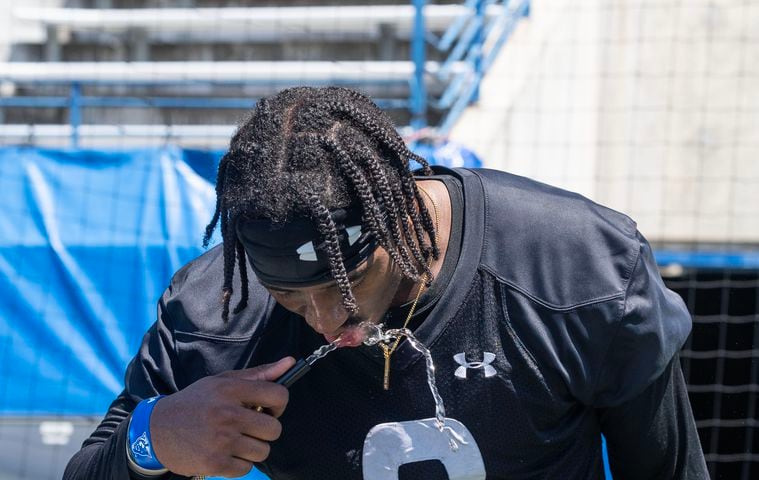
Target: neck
point(406, 292)
point(435, 199)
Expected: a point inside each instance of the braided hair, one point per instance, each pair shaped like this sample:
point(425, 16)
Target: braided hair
point(306, 151)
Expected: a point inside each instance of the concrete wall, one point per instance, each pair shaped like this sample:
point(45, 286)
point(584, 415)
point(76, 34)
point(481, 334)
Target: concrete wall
point(648, 107)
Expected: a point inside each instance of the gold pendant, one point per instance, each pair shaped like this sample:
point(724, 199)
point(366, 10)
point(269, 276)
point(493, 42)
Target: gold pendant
point(387, 350)
point(386, 382)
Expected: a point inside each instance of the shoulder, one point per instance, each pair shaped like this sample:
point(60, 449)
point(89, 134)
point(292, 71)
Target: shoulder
point(193, 300)
point(557, 247)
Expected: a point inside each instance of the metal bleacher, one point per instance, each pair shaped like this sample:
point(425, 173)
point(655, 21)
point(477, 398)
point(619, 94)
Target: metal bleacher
point(172, 67)
point(260, 22)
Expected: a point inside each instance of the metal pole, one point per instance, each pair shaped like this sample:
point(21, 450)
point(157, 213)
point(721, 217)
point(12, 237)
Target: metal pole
point(52, 45)
point(478, 43)
point(419, 57)
point(75, 113)
point(388, 42)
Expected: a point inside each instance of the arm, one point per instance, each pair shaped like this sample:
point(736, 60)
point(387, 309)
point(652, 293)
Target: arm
point(103, 454)
point(216, 407)
point(654, 434)
point(640, 397)
point(202, 428)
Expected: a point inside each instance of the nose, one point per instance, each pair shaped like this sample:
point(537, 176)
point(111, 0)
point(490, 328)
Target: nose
point(324, 312)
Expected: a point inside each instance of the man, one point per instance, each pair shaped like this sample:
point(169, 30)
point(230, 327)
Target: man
point(546, 317)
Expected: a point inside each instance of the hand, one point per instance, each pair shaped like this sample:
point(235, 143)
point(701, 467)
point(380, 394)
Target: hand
point(211, 427)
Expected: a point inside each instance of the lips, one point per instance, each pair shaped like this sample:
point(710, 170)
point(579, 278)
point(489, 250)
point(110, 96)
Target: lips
point(331, 337)
point(349, 323)
point(351, 336)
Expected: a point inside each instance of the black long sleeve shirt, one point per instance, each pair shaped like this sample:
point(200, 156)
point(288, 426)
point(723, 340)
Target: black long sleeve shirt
point(551, 327)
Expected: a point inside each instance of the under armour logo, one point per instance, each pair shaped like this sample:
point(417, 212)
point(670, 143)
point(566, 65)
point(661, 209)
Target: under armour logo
point(487, 359)
point(307, 251)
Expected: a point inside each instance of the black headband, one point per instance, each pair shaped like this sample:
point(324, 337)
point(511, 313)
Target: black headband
point(294, 254)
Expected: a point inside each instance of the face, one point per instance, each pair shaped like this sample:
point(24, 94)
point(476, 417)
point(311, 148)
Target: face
point(374, 284)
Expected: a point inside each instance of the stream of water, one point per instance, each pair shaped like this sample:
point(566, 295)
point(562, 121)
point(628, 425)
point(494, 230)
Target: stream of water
point(374, 334)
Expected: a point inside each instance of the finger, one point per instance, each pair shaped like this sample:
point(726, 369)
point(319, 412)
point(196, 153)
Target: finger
point(234, 467)
point(259, 425)
point(251, 449)
point(269, 371)
point(271, 396)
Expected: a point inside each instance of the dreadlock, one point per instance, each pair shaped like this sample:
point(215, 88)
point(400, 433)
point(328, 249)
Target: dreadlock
point(307, 151)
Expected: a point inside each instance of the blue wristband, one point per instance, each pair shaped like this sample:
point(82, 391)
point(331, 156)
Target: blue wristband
point(140, 444)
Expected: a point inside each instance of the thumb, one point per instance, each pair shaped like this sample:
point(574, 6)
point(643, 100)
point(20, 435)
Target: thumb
point(268, 371)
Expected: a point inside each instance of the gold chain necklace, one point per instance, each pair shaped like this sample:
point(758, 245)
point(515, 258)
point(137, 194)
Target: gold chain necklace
point(389, 350)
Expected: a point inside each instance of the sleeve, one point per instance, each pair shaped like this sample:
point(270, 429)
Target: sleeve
point(653, 435)
point(653, 325)
point(103, 454)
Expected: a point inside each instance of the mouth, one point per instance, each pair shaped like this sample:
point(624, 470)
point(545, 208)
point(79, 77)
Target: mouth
point(350, 334)
point(331, 338)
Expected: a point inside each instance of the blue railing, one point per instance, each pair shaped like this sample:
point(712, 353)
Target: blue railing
point(734, 259)
point(466, 40)
point(463, 42)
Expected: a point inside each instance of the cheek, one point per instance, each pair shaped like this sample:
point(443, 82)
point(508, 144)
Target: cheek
point(324, 307)
point(290, 302)
point(374, 299)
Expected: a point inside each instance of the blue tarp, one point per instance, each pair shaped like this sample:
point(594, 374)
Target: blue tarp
point(448, 153)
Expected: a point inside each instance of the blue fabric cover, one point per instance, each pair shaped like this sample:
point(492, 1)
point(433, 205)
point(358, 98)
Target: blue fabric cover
point(448, 153)
point(88, 241)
